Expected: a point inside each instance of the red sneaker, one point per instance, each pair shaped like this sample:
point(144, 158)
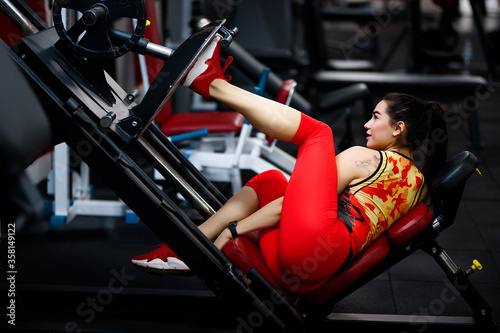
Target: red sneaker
point(161, 260)
point(206, 69)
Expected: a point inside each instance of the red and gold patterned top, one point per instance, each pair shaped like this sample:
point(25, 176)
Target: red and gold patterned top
point(369, 207)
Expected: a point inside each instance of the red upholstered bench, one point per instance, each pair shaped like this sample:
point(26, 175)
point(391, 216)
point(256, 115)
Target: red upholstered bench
point(171, 123)
point(245, 254)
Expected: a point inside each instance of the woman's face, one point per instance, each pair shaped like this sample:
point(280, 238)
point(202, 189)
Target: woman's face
point(380, 132)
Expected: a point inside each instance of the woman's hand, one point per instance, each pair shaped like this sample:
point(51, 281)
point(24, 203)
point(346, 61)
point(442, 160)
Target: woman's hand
point(224, 237)
point(266, 217)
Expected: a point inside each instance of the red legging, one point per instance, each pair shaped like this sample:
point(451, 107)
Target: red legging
point(309, 244)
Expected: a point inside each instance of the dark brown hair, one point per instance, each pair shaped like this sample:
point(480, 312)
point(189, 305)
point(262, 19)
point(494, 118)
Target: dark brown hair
point(425, 126)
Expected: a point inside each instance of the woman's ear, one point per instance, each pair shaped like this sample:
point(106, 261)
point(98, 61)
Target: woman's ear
point(399, 128)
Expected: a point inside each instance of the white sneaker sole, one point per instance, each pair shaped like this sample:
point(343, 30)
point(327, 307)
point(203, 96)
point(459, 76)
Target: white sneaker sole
point(172, 263)
point(200, 66)
point(173, 266)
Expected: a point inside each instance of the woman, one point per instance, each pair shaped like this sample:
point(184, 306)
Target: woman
point(333, 206)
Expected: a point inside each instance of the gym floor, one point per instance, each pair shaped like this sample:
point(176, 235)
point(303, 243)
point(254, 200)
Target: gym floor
point(80, 276)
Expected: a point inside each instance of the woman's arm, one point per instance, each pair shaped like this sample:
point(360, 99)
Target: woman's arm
point(354, 165)
point(266, 217)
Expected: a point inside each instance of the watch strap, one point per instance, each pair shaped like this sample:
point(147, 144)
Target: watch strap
point(232, 228)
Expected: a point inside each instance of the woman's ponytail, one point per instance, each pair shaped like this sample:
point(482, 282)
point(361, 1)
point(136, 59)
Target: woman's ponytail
point(436, 150)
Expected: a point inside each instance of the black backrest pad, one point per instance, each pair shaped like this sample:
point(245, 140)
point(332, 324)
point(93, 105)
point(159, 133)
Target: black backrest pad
point(454, 173)
point(449, 184)
point(24, 128)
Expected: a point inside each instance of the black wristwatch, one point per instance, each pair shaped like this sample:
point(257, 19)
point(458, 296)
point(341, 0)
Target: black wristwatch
point(232, 228)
